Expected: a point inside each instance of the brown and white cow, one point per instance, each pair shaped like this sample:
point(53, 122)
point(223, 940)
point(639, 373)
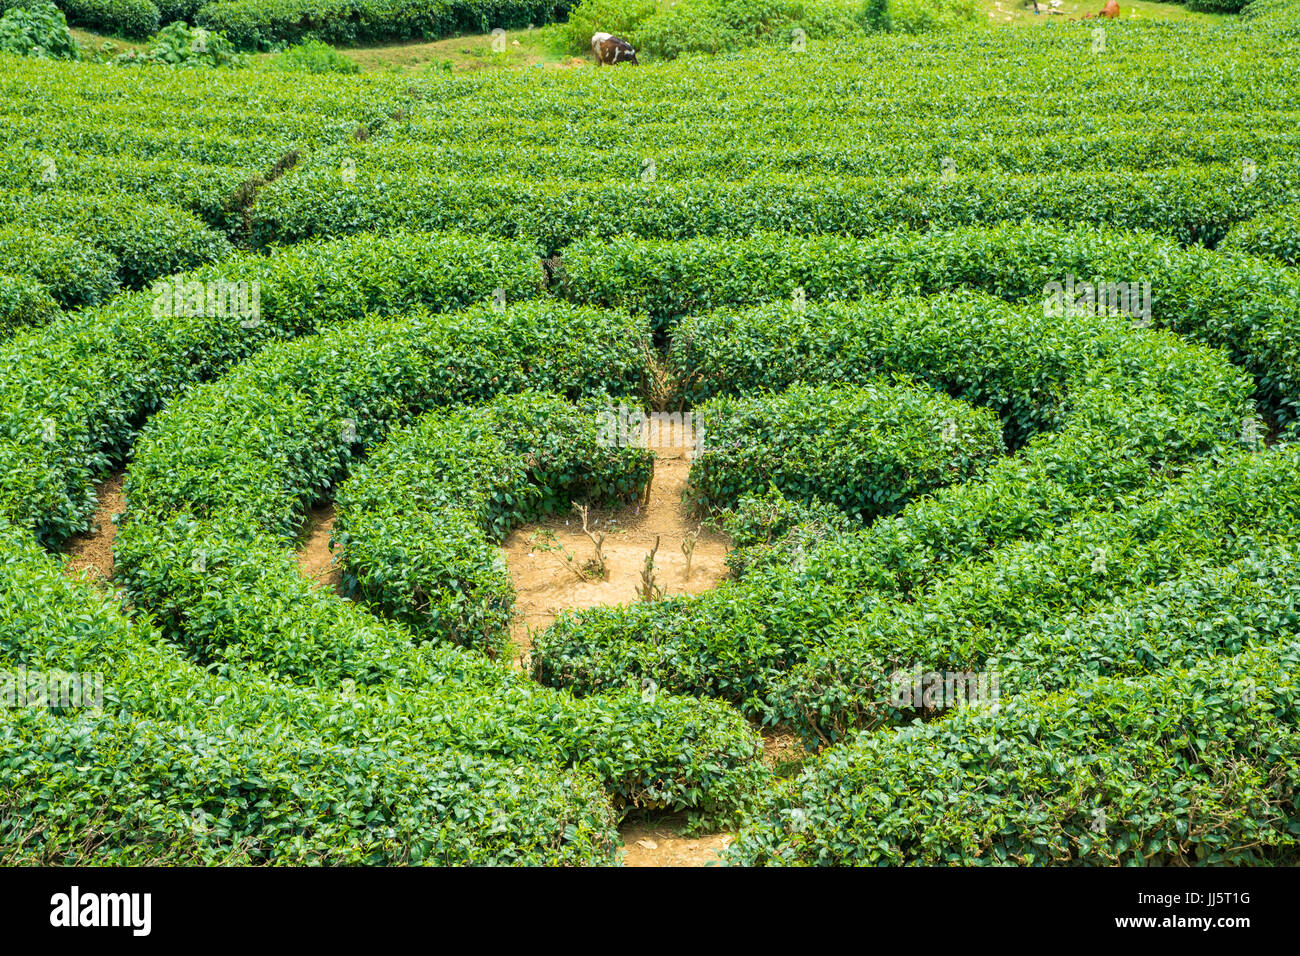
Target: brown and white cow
point(611, 49)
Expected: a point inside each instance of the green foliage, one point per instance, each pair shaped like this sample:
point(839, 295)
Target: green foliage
point(419, 521)
point(875, 16)
point(179, 45)
point(180, 766)
point(312, 56)
point(136, 19)
point(88, 384)
point(37, 29)
point(1275, 234)
point(76, 273)
point(1242, 305)
point(1094, 407)
point(865, 449)
point(205, 549)
point(24, 302)
point(925, 16)
point(619, 17)
point(263, 24)
point(142, 240)
point(720, 26)
point(1186, 765)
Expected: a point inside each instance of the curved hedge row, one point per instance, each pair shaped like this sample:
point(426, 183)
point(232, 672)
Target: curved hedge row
point(24, 302)
point(1186, 765)
point(1099, 407)
point(95, 243)
point(217, 491)
point(261, 24)
point(76, 393)
point(1275, 234)
point(76, 273)
point(866, 449)
point(981, 614)
point(183, 767)
point(1246, 306)
point(416, 522)
point(1194, 204)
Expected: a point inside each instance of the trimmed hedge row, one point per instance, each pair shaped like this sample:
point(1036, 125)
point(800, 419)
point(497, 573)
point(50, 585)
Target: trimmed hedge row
point(216, 494)
point(261, 24)
point(1246, 306)
point(418, 520)
point(75, 272)
point(148, 240)
point(24, 302)
point(983, 609)
point(747, 143)
point(866, 449)
point(1195, 204)
point(183, 767)
point(1275, 234)
point(83, 247)
point(75, 395)
point(135, 19)
point(253, 450)
point(1099, 408)
point(1178, 767)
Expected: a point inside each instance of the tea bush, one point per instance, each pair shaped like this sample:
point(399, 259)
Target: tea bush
point(867, 449)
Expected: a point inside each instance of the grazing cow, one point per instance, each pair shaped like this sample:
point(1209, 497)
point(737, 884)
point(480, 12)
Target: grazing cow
point(1110, 11)
point(611, 49)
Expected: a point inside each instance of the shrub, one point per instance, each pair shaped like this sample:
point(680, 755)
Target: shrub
point(135, 19)
point(24, 302)
point(924, 16)
point(418, 522)
point(1100, 581)
point(1189, 765)
point(1245, 306)
point(37, 29)
point(205, 551)
point(75, 273)
point(1275, 234)
point(312, 56)
point(89, 384)
point(864, 449)
point(620, 17)
point(262, 24)
point(1096, 409)
point(717, 26)
point(178, 45)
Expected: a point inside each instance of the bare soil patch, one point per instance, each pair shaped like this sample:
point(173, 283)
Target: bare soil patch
point(315, 557)
point(93, 551)
point(546, 581)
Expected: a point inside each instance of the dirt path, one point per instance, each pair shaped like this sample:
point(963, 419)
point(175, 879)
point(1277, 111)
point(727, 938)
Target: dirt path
point(315, 559)
point(93, 551)
point(547, 582)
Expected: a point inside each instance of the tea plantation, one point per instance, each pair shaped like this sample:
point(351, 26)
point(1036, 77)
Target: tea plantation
point(411, 295)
